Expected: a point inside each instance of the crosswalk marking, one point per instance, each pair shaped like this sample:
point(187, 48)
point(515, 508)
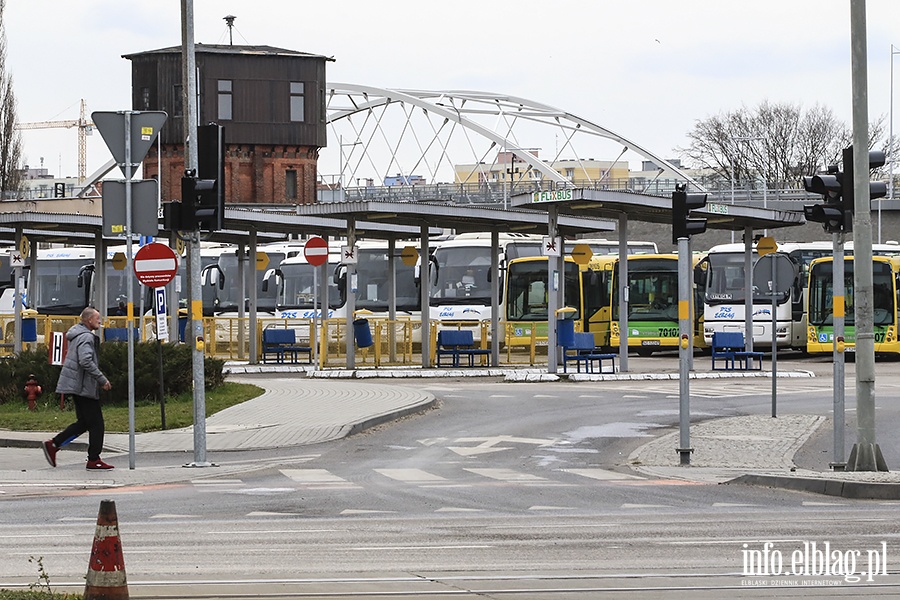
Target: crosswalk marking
point(411, 475)
point(511, 476)
point(317, 478)
point(601, 474)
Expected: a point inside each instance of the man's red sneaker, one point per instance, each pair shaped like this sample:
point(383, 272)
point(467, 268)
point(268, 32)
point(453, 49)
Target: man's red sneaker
point(98, 465)
point(50, 452)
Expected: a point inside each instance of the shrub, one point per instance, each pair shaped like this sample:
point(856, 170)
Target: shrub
point(177, 369)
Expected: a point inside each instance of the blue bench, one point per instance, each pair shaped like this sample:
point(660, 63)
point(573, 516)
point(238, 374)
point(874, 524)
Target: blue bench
point(119, 334)
point(585, 352)
point(455, 344)
point(282, 342)
point(729, 348)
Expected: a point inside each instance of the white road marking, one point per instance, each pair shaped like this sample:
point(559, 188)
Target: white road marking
point(601, 474)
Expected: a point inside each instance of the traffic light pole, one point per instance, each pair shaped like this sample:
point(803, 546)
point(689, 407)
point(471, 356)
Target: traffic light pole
point(865, 455)
point(684, 348)
point(837, 273)
point(194, 334)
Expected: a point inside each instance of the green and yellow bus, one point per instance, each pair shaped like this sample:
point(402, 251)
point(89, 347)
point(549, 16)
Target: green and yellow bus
point(592, 299)
point(821, 305)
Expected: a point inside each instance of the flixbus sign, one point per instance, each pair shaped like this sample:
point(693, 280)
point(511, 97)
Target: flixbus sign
point(551, 196)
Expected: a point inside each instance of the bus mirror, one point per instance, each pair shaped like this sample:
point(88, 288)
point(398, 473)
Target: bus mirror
point(265, 282)
point(340, 273)
point(700, 277)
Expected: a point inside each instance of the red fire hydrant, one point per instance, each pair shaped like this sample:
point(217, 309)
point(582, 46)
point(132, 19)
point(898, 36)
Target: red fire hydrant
point(33, 391)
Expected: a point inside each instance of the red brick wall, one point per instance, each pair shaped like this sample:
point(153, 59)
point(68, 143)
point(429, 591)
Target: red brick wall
point(254, 174)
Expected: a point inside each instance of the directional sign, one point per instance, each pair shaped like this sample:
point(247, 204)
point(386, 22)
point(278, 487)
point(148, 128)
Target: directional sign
point(145, 127)
point(582, 254)
point(155, 265)
point(766, 245)
point(162, 321)
point(262, 261)
point(316, 251)
point(119, 261)
point(409, 256)
point(144, 212)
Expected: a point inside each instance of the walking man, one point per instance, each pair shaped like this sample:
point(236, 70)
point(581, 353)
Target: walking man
point(81, 377)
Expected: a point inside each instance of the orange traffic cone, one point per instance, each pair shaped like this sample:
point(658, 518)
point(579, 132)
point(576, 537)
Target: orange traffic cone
point(106, 571)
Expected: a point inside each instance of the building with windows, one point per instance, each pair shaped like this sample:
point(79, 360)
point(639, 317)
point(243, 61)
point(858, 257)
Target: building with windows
point(271, 103)
point(511, 170)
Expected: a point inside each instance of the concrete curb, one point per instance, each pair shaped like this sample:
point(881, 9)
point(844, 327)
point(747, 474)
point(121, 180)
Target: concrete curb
point(858, 490)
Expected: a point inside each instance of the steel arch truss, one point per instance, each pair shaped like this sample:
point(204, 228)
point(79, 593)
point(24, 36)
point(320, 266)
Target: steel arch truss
point(379, 133)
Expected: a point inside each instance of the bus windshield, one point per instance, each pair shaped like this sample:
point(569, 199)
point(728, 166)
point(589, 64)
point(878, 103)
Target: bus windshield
point(229, 298)
point(528, 290)
point(821, 294)
point(726, 283)
point(372, 285)
point(299, 286)
point(462, 277)
point(57, 286)
point(652, 290)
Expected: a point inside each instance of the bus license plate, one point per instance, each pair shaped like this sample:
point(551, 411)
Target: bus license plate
point(650, 343)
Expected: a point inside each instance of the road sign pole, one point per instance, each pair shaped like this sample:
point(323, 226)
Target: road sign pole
point(684, 346)
point(839, 460)
point(129, 320)
point(772, 291)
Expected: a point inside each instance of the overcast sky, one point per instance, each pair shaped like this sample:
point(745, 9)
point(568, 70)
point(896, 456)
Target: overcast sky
point(646, 69)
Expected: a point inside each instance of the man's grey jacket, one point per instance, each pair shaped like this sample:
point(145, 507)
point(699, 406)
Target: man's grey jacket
point(80, 374)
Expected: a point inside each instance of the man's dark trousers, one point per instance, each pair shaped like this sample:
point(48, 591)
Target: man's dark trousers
point(89, 418)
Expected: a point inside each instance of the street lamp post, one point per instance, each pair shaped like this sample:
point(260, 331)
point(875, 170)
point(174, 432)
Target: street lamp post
point(894, 51)
point(751, 138)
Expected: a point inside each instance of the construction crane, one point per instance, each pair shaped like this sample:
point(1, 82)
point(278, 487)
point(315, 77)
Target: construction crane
point(85, 128)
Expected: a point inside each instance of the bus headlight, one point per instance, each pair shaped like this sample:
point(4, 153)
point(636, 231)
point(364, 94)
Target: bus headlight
point(615, 328)
point(811, 335)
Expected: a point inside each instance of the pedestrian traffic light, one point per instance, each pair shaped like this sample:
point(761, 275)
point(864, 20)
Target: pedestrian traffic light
point(683, 225)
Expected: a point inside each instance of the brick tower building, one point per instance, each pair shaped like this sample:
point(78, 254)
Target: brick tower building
point(271, 103)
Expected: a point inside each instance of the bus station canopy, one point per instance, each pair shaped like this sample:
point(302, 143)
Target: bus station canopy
point(461, 218)
point(604, 204)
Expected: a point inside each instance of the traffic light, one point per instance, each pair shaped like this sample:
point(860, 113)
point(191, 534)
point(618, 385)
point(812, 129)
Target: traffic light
point(877, 189)
point(210, 187)
point(199, 204)
point(832, 214)
point(683, 225)
point(173, 217)
point(836, 215)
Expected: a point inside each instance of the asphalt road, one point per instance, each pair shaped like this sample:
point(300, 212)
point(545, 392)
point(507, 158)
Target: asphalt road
point(504, 491)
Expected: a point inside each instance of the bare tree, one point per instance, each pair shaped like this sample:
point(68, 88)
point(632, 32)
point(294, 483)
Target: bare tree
point(10, 137)
point(779, 143)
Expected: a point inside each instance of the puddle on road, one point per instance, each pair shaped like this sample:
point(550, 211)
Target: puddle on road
point(611, 430)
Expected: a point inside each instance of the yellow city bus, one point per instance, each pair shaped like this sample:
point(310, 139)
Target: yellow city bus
point(526, 299)
point(820, 305)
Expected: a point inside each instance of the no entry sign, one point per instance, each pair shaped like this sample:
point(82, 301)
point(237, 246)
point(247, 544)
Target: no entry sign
point(316, 251)
point(155, 265)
